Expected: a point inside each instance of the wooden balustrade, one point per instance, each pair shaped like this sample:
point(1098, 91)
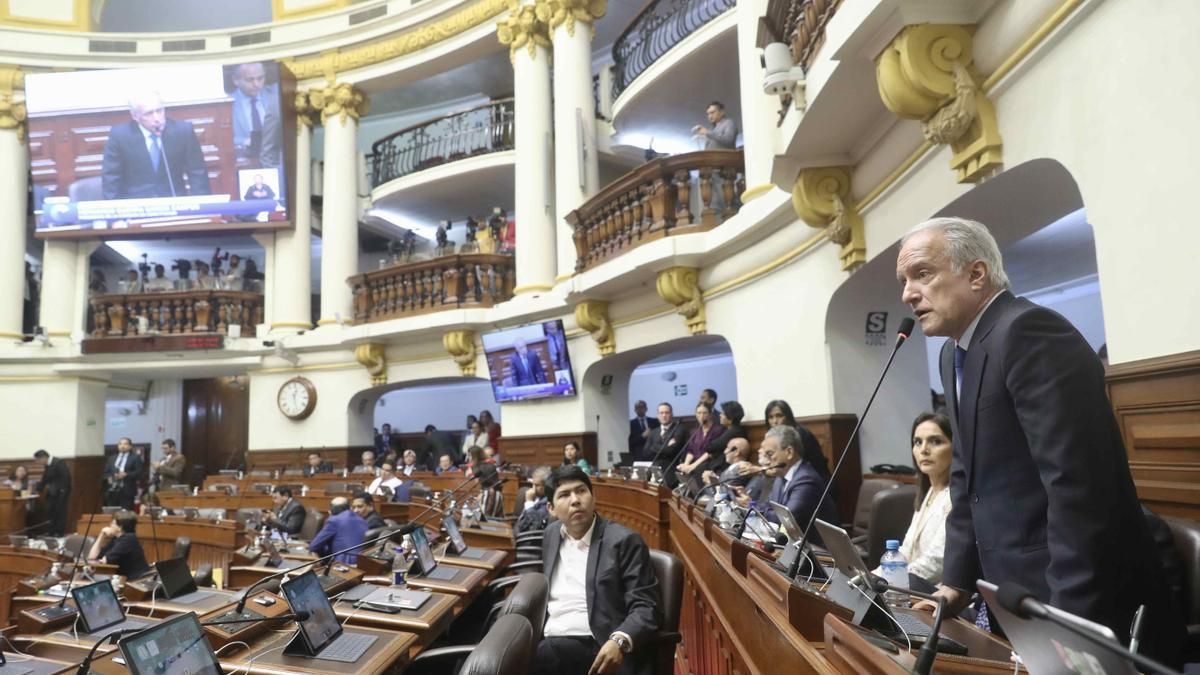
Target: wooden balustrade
point(656, 200)
point(446, 282)
point(199, 312)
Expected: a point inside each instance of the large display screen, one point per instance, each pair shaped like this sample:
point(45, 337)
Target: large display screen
point(146, 151)
point(529, 362)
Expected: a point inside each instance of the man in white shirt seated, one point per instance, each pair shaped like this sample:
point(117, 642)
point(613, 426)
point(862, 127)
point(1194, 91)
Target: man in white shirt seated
point(385, 479)
point(603, 611)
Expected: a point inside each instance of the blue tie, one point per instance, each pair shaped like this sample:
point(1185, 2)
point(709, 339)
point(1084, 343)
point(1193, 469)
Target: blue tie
point(960, 355)
point(155, 151)
point(778, 489)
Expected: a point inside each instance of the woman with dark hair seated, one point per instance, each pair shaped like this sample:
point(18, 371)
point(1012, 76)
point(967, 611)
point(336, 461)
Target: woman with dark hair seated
point(573, 455)
point(925, 542)
point(778, 413)
point(118, 545)
point(695, 452)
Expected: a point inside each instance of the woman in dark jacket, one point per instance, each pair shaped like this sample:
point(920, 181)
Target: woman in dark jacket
point(713, 457)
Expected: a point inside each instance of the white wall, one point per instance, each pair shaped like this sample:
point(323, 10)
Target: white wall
point(160, 418)
point(445, 406)
point(649, 383)
point(62, 415)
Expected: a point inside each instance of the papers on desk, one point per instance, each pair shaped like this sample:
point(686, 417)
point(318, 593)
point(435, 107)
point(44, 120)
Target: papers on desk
point(760, 530)
point(391, 599)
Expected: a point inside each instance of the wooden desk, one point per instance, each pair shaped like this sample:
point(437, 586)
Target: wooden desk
point(490, 560)
point(433, 481)
point(17, 564)
point(212, 542)
point(60, 646)
point(12, 509)
point(427, 623)
point(40, 666)
point(637, 505)
point(467, 582)
point(850, 652)
point(391, 651)
point(315, 499)
point(161, 607)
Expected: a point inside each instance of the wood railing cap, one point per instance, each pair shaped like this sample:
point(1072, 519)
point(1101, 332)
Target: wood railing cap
point(432, 263)
point(193, 293)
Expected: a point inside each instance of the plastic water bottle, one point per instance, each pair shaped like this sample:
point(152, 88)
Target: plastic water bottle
point(895, 572)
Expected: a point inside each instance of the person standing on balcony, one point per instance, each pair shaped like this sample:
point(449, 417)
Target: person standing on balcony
point(724, 131)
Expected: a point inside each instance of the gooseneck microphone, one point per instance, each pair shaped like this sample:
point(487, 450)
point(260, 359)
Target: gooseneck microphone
point(51, 612)
point(1018, 600)
point(753, 472)
point(928, 652)
point(906, 327)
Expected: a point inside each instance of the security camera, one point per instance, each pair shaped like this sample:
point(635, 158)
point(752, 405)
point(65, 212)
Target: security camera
point(783, 76)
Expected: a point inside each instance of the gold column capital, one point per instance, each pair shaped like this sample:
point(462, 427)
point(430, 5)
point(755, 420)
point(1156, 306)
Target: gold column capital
point(555, 13)
point(460, 344)
point(592, 316)
point(371, 355)
point(338, 99)
point(522, 28)
point(12, 100)
point(306, 113)
point(927, 73)
point(821, 198)
point(680, 286)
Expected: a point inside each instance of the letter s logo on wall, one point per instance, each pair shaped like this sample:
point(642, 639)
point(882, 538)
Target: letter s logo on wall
point(876, 329)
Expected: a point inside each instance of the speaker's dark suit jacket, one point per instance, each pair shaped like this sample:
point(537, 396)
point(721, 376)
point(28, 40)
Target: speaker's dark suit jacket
point(622, 589)
point(290, 517)
point(1040, 485)
point(637, 444)
point(56, 480)
point(127, 171)
point(122, 492)
point(662, 446)
point(527, 370)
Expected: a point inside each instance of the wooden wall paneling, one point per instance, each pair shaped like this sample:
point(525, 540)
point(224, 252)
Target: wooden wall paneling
point(1157, 405)
point(216, 424)
point(546, 449)
point(832, 431)
point(636, 505)
point(294, 458)
point(85, 485)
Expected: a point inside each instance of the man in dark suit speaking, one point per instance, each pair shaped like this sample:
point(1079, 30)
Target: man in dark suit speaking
point(152, 156)
point(603, 608)
point(526, 366)
point(1040, 486)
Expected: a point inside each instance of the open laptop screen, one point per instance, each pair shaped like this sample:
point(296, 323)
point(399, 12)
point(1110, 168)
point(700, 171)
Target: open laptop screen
point(304, 594)
point(424, 552)
point(98, 606)
point(176, 645)
point(456, 538)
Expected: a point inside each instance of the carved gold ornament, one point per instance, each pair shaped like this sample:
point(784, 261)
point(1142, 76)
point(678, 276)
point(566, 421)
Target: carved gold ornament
point(559, 12)
point(821, 197)
point(592, 316)
point(306, 114)
point(371, 355)
point(339, 100)
point(522, 29)
point(330, 63)
point(12, 100)
point(680, 286)
point(460, 344)
point(927, 74)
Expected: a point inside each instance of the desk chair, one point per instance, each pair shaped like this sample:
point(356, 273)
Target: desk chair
point(313, 520)
point(1186, 534)
point(891, 513)
point(183, 547)
point(507, 649)
point(74, 542)
point(863, 507)
point(669, 571)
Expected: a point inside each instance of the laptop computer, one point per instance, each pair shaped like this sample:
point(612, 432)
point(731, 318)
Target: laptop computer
point(321, 636)
point(393, 599)
point(176, 645)
point(99, 609)
point(457, 543)
point(426, 561)
point(1049, 649)
point(177, 582)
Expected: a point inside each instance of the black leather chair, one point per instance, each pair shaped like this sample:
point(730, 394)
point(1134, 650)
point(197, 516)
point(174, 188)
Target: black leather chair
point(183, 546)
point(527, 599)
point(891, 513)
point(313, 520)
point(669, 571)
point(1186, 534)
point(866, 501)
point(507, 649)
point(74, 542)
point(203, 575)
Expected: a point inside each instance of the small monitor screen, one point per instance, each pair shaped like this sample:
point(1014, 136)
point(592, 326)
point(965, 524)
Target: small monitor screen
point(529, 362)
point(136, 152)
point(98, 606)
point(174, 646)
point(456, 538)
point(424, 552)
point(304, 594)
point(176, 578)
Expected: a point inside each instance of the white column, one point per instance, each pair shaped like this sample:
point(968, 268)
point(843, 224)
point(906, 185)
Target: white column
point(289, 282)
point(339, 233)
point(577, 168)
point(536, 254)
point(13, 194)
point(759, 110)
point(83, 272)
point(59, 271)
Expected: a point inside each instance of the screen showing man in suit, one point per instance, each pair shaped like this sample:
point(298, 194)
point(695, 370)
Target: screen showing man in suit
point(256, 116)
point(529, 362)
point(152, 155)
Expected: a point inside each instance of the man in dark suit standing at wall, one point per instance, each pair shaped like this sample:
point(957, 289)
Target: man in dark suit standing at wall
point(603, 607)
point(665, 442)
point(121, 474)
point(1040, 484)
point(152, 156)
point(56, 481)
point(526, 366)
point(640, 428)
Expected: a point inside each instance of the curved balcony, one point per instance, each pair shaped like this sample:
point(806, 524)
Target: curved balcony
point(658, 28)
point(471, 133)
point(681, 194)
point(195, 312)
point(465, 280)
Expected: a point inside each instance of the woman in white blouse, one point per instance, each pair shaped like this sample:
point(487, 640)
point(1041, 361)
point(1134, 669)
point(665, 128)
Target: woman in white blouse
point(925, 542)
point(476, 436)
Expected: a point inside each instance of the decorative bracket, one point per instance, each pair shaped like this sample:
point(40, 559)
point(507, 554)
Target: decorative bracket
point(927, 74)
point(338, 99)
point(372, 356)
point(592, 316)
point(680, 286)
point(460, 344)
point(12, 101)
point(558, 12)
point(821, 197)
point(306, 113)
point(523, 28)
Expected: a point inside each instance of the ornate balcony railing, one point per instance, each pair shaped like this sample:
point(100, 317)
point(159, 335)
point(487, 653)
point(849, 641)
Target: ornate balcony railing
point(447, 282)
point(478, 131)
point(692, 192)
point(800, 23)
point(196, 312)
point(660, 26)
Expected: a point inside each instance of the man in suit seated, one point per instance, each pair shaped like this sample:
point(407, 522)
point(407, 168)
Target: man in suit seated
point(316, 465)
point(288, 516)
point(446, 466)
point(385, 440)
point(640, 429)
point(386, 484)
point(364, 506)
point(665, 442)
point(368, 464)
point(343, 529)
point(603, 608)
point(799, 485)
point(526, 366)
point(437, 443)
point(536, 513)
point(151, 155)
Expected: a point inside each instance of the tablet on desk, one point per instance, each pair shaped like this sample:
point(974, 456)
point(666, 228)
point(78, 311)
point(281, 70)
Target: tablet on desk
point(176, 645)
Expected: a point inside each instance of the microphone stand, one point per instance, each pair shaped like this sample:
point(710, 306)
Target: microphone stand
point(902, 334)
point(928, 652)
point(60, 610)
point(437, 503)
point(85, 666)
